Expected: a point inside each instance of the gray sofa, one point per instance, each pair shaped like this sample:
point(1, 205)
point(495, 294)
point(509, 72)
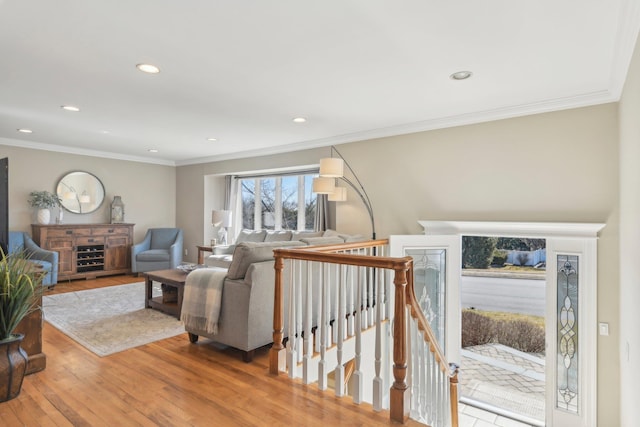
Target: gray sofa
point(246, 314)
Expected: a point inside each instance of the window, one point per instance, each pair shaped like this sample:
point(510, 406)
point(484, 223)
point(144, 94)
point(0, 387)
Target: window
point(283, 202)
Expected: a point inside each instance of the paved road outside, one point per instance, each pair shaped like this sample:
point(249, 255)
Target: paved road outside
point(525, 296)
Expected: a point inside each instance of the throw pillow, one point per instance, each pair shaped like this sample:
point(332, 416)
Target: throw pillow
point(317, 241)
point(251, 236)
point(278, 236)
point(298, 235)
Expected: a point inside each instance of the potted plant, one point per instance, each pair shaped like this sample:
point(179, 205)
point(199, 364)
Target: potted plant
point(43, 200)
point(20, 290)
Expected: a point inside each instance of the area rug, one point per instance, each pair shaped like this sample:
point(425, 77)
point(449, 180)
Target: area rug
point(109, 320)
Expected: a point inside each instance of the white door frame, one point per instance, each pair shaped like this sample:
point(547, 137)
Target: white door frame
point(578, 239)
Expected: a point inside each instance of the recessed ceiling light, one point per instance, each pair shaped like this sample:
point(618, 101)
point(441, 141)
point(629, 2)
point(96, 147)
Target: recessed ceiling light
point(25, 130)
point(153, 150)
point(212, 139)
point(106, 132)
point(461, 75)
point(70, 108)
point(148, 68)
point(299, 120)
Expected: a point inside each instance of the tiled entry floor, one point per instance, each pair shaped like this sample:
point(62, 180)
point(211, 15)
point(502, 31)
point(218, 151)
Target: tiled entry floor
point(474, 417)
point(506, 378)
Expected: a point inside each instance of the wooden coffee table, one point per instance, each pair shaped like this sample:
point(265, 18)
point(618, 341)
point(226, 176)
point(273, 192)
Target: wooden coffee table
point(175, 278)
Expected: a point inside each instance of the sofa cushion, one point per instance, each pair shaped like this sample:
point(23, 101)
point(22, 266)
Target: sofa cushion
point(247, 253)
point(251, 236)
point(153, 255)
point(330, 233)
point(348, 238)
point(316, 241)
point(298, 235)
point(278, 236)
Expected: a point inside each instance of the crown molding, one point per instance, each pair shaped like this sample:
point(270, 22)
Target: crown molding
point(81, 151)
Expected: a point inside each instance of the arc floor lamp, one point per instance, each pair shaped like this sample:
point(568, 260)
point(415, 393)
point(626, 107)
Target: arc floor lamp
point(331, 170)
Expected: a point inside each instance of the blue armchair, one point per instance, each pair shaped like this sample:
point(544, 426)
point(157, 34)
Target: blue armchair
point(19, 240)
point(161, 249)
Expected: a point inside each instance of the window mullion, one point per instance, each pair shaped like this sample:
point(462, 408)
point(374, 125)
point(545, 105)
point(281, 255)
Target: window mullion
point(301, 204)
point(278, 204)
point(257, 206)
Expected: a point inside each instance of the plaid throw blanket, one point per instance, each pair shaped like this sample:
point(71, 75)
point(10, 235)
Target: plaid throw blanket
point(202, 298)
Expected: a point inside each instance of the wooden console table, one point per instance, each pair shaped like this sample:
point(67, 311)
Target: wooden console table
point(87, 251)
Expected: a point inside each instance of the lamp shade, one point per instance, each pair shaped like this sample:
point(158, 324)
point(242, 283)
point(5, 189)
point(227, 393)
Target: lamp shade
point(324, 185)
point(331, 167)
point(221, 218)
point(338, 195)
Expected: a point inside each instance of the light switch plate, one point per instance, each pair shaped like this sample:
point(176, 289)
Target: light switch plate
point(604, 328)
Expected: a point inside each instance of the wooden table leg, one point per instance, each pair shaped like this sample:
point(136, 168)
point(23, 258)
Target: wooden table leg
point(180, 296)
point(149, 285)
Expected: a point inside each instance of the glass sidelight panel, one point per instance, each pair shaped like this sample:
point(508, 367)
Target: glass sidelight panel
point(430, 280)
point(567, 374)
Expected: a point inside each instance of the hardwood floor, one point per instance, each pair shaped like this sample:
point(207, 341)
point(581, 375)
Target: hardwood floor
point(169, 383)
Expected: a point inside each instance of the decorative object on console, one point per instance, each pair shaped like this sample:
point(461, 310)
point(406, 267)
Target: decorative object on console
point(80, 192)
point(222, 219)
point(331, 169)
point(44, 201)
point(117, 210)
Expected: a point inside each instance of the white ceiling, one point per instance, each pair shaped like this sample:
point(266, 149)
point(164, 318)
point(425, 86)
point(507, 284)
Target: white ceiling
point(241, 70)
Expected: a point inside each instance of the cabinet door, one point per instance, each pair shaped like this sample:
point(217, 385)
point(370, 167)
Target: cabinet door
point(64, 247)
point(117, 253)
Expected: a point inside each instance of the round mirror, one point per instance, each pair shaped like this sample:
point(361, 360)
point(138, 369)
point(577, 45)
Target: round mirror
point(80, 192)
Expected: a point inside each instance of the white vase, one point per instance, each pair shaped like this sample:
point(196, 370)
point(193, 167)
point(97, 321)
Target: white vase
point(44, 216)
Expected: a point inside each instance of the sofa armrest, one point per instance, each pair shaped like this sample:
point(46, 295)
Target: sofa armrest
point(36, 252)
point(224, 249)
point(175, 250)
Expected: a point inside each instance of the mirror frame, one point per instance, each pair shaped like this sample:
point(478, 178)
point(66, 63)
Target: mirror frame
point(90, 187)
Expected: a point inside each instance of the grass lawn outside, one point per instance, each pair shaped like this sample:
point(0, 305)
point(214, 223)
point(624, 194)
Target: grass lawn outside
point(499, 315)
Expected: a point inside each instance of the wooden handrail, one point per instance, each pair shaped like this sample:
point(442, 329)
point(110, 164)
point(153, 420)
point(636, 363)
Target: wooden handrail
point(404, 296)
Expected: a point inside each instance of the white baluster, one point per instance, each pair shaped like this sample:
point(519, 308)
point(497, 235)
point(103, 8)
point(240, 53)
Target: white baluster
point(378, 385)
point(324, 326)
point(308, 319)
point(350, 300)
point(339, 371)
point(319, 304)
point(299, 308)
point(291, 342)
point(336, 305)
point(358, 392)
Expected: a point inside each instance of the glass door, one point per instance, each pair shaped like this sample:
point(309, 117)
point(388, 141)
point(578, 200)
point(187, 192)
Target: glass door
point(436, 276)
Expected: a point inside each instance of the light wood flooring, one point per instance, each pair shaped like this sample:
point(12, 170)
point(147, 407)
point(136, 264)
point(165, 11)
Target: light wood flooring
point(169, 383)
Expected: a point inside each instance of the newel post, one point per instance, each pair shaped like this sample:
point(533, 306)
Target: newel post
point(399, 395)
point(277, 353)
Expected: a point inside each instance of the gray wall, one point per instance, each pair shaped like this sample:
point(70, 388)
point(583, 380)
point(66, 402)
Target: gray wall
point(148, 191)
point(560, 166)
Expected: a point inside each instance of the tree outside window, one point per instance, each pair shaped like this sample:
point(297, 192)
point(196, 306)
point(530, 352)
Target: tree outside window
point(278, 202)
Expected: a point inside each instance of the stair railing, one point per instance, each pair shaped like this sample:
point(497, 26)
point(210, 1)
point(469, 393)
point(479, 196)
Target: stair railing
point(342, 298)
